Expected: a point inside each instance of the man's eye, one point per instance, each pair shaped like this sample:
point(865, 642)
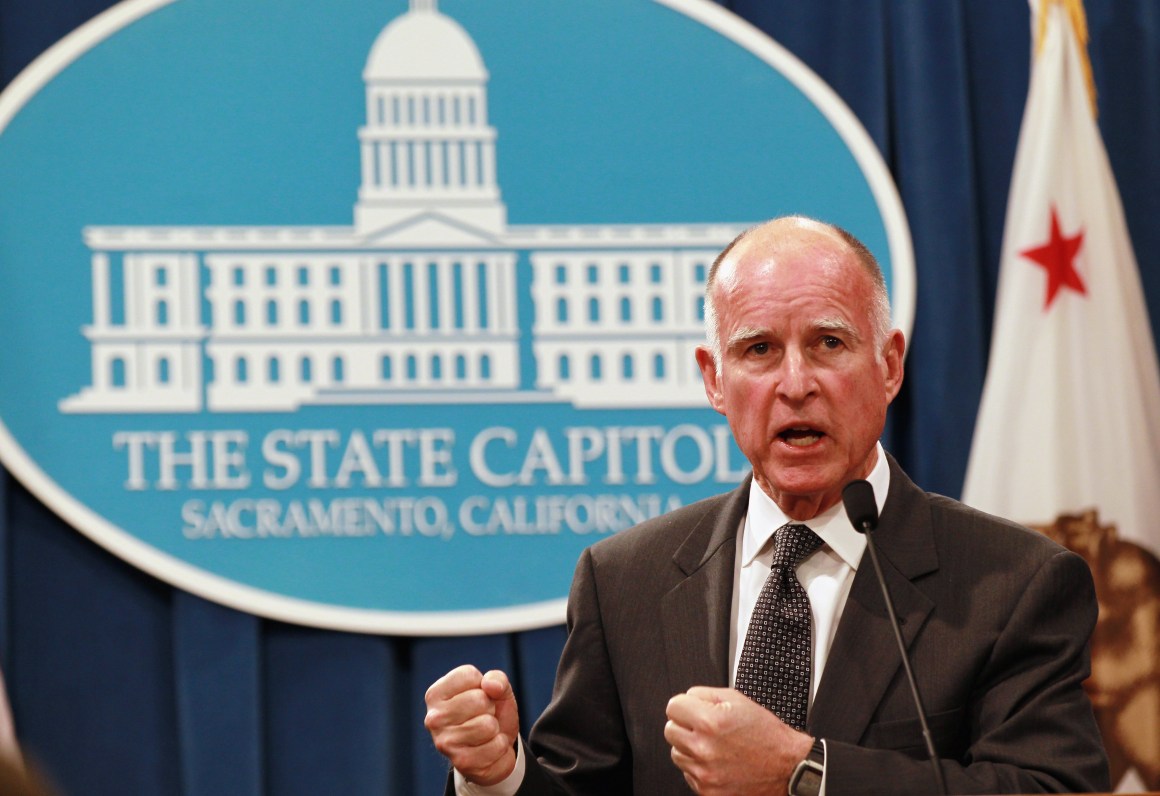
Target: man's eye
point(831, 342)
point(759, 348)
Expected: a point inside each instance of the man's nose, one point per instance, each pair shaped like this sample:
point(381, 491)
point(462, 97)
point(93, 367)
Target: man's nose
point(795, 379)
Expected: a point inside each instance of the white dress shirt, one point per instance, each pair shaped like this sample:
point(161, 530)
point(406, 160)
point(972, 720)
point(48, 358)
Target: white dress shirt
point(826, 575)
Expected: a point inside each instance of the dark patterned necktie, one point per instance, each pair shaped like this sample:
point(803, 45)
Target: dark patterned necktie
point(774, 669)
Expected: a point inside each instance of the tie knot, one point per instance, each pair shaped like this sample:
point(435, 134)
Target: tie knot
point(792, 543)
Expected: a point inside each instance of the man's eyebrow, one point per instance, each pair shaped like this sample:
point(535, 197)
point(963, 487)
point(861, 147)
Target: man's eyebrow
point(745, 334)
point(837, 325)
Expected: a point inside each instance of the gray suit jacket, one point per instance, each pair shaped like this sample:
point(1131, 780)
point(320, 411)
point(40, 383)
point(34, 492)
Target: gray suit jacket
point(996, 617)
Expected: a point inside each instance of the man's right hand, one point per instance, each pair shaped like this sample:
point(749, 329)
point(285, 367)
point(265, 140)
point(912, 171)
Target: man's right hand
point(474, 723)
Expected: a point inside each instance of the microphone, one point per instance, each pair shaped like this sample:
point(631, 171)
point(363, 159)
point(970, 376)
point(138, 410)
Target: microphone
point(858, 498)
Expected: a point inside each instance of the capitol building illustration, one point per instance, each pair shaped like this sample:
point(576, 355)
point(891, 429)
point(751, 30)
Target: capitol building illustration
point(419, 300)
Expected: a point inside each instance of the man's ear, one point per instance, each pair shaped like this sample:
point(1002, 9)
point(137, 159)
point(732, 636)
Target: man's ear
point(710, 377)
point(893, 354)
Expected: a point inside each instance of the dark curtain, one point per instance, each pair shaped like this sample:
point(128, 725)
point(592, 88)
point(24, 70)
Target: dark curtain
point(121, 684)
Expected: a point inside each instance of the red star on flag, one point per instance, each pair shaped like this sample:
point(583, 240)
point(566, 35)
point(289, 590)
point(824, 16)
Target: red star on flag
point(1057, 258)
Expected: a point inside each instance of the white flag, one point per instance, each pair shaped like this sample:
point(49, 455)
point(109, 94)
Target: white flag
point(1068, 433)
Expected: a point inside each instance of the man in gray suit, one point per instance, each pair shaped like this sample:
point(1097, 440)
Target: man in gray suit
point(801, 359)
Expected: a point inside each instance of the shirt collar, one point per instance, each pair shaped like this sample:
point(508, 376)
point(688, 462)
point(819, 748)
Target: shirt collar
point(832, 525)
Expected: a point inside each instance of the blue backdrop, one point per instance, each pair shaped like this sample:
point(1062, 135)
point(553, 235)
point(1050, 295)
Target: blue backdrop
point(121, 684)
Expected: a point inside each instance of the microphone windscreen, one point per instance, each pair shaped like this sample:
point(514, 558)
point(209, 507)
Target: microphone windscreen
point(858, 498)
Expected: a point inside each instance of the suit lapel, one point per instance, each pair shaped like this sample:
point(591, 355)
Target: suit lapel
point(701, 602)
point(864, 657)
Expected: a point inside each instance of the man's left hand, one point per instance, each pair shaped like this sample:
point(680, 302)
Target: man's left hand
point(725, 743)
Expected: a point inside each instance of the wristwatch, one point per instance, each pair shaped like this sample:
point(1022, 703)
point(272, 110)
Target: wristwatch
point(806, 779)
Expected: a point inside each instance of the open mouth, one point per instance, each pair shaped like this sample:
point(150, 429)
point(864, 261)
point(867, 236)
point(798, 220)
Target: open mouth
point(801, 436)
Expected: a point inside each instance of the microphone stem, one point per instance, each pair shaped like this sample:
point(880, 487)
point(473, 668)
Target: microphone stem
point(926, 736)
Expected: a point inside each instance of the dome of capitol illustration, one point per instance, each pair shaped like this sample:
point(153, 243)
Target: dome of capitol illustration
point(426, 45)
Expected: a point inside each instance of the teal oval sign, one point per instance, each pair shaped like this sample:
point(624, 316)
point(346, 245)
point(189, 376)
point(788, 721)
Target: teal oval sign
point(372, 315)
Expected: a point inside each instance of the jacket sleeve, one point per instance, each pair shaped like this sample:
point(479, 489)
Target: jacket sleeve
point(579, 744)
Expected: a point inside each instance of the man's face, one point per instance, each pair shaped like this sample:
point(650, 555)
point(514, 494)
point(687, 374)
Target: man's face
point(802, 381)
